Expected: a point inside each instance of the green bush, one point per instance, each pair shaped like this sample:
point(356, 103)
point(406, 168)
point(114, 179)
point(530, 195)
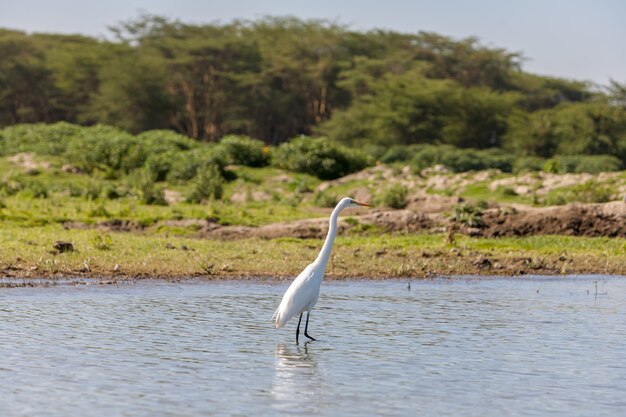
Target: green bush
point(104, 147)
point(592, 164)
point(395, 197)
point(399, 153)
point(35, 189)
point(208, 184)
point(595, 164)
point(92, 190)
point(319, 157)
point(186, 165)
point(461, 160)
point(42, 139)
point(159, 165)
point(102, 241)
point(469, 215)
point(324, 199)
point(99, 211)
point(587, 192)
point(528, 163)
point(242, 150)
point(149, 193)
point(162, 141)
point(11, 185)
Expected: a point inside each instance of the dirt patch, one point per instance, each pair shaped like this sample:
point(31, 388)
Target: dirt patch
point(573, 220)
point(544, 182)
point(370, 174)
point(248, 195)
point(424, 215)
point(172, 196)
point(27, 160)
point(387, 221)
point(428, 203)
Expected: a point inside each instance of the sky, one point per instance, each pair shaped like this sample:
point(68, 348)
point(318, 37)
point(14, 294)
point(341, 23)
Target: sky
point(576, 39)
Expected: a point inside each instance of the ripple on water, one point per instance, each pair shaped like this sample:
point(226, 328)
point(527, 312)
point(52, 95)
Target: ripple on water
point(462, 347)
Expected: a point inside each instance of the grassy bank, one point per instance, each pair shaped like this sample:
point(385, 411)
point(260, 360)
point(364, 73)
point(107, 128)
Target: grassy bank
point(29, 252)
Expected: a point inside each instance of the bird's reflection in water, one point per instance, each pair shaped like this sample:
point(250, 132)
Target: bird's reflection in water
point(297, 384)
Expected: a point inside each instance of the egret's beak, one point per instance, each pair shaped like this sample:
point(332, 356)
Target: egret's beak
point(358, 203)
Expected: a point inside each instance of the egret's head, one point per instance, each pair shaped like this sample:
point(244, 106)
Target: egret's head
point(349, 202)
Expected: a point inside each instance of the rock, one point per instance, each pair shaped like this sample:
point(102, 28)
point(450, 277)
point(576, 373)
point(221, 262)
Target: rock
point(63, 247)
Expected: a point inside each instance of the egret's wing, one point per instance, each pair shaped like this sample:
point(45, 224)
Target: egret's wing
point(296, 297)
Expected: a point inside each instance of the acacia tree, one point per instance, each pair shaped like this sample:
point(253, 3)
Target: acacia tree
point(25, 82)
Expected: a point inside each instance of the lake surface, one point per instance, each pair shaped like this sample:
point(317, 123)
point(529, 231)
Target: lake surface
point(446, 347)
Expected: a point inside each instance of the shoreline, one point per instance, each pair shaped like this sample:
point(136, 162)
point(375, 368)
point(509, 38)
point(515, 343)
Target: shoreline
point(34, 253)
point(103, 281)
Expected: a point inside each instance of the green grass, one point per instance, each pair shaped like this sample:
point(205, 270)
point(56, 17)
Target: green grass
point(30, 226)
point(28, 252)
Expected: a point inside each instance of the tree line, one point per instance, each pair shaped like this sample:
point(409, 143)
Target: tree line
point(278, 78)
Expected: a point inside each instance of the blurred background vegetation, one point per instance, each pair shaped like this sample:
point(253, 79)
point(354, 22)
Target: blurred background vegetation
point(397, 97)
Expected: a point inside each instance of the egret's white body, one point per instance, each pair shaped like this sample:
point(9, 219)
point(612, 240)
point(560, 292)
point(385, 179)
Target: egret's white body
point(304, 291)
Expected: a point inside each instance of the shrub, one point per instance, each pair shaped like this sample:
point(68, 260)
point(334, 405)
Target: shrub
point(158, 165)
point(528, 163)
point(92, 190)
point(399, 153)
point(104, 147)
point(43, 139)
point(468, 214)
point(111, 192)
point(592, 164)
point(102, 241)
point(595, 164)
point(319, 157)
point(461, 160)
point(394, 197)
point(149, 193)
point(162, 141)
point(99, 211)
point(587, 192)
point(242, 150)
point(208, 184)
point(324, 199)
point(11, 185)
point(186, 165)
point(36, 189)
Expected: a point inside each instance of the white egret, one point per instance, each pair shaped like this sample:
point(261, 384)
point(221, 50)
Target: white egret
point(304, 291)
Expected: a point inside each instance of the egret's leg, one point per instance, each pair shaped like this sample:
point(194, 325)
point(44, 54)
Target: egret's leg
point(306, 326)
point(298, 328)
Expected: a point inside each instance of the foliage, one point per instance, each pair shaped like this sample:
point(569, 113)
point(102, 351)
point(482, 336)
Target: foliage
point(592, 164)
point(319, 157)
point(593, 128)
point(460, 160)
point(272, 79)
point(208, 184)
point(394, 196)
point(399, 153)
point(528, 163)
point(149, 193)
point(242, 150)
point(276, 78)
point(469, 215)
point(325, 199)
point(102, 241)
point(588, 192)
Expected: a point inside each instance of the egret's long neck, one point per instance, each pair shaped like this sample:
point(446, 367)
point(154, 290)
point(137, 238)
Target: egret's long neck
point(330, 238)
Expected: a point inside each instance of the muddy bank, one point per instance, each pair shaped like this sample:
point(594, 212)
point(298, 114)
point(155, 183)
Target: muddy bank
point(607, 219)
point(423, 215)
point(432, 216)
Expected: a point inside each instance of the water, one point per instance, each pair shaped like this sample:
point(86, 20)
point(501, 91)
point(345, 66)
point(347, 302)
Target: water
point(447, 347)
